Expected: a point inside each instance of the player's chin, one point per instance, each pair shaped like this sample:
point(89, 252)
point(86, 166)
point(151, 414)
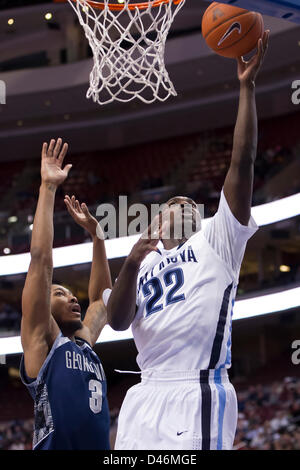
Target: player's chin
point(73, 325)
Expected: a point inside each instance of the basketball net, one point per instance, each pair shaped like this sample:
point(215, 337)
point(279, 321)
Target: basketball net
point(128, 49)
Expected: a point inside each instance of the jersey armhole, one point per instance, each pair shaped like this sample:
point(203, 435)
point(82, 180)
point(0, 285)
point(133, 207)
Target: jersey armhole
point(83, 340)
point(28, 379)
point(228, 267)
point(30, 382)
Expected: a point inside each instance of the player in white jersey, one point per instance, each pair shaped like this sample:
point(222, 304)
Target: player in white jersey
point(178, 295)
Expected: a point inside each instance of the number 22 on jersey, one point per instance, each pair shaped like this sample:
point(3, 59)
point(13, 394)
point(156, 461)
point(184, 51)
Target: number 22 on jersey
point(173, 280)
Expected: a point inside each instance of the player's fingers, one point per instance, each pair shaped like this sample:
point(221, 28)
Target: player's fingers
point(153, 242)
point(150, 249)
point(57, 148)
point(69, 206)
point(164, 228)
point(51, 148)
point(63, 153)
point(85, 209)
point(77, 205)
point(266, 37)
point(152, 229)
point(44, 149)
point(266, 41)
point(241, 61)
point(256, 59)
point(67, 202)
point(158, 224)
point(160, 232)
point(262, 47)
point(74, 205)
point(67, 169)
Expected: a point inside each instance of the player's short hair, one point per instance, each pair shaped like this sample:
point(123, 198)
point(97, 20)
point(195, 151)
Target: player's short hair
point(177, 200)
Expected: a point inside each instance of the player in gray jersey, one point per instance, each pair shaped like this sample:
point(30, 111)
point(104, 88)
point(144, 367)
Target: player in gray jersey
point(62, 372)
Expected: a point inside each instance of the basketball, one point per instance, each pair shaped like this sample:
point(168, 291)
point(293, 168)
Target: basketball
point(231, 31)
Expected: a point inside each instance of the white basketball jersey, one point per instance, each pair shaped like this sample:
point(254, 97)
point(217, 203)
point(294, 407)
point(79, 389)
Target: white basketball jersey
point(185, 297)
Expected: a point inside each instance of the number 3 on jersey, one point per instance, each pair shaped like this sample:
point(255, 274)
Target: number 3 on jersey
point(155, 290)
point(96, 397)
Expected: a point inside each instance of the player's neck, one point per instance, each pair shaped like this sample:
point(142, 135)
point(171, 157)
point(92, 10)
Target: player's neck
point(68, 333)
point(172, 243)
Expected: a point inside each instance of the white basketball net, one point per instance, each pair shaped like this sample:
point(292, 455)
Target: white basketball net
point(128, 49)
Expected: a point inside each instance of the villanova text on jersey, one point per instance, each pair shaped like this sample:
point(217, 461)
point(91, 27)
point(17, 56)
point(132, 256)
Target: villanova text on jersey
point(70, 404)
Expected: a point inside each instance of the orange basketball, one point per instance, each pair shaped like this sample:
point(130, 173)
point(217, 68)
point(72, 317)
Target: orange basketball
point(231, 31)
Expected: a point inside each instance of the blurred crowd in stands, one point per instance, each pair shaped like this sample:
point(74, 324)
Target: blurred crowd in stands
point(268, 419)
point(268, 163)
point(10, 318)
point(195, 165)
point(269, 416)
point(16, 435)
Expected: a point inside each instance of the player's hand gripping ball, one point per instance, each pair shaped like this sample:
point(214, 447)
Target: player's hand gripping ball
point(231, 31)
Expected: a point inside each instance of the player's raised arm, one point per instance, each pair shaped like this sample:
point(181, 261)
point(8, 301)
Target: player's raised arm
point(238, 186)
point(38, 328)
point(100, 279)
point(121, 307)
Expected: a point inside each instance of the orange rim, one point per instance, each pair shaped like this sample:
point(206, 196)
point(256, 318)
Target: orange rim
point(119, 7)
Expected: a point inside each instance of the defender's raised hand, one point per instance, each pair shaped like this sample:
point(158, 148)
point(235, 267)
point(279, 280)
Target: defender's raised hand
point(81, 215)
point(247, 71)
point(148, 241)
point(52, 160)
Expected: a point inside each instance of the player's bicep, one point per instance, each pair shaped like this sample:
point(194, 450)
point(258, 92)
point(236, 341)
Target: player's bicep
point(238, 188)
point(36, 309)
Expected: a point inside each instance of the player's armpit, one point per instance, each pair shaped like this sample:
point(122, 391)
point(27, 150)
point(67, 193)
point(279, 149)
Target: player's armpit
point(121, 305)
point(36, 345)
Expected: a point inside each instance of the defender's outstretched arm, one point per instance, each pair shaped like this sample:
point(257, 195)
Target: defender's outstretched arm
point(38, 328)
point(100, 279)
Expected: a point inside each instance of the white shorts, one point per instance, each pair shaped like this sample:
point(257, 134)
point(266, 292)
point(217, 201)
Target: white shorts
point(169, 410)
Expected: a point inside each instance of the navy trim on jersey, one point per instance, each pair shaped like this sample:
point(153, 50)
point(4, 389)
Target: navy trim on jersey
point(83, 340)
point(217, 344)
point(205, 409)
point(177, 248)
point(181, 244)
